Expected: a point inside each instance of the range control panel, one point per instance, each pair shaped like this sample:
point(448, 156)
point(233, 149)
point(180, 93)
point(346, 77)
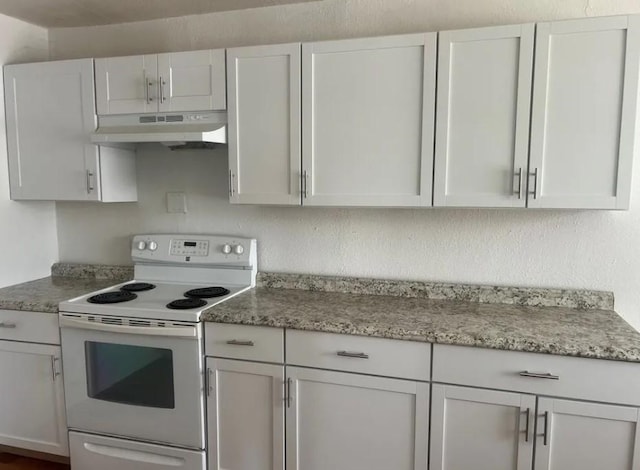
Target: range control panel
point(194, 249)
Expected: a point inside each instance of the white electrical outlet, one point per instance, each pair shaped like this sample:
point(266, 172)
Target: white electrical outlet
point(176, 203)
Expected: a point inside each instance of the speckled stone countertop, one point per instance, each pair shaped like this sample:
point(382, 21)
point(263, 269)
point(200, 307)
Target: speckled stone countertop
point(44, 295)
point(67, 281)
point(594, 333)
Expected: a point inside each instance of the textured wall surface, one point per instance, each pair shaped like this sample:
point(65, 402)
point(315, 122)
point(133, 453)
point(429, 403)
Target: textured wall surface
point(588, 249)
point(28, 237)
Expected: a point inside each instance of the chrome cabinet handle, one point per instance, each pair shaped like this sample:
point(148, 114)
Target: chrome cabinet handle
point(545, 439)
point(231, 177)
point(287, 395)
point(161, 84)
point(148, 98)
point(208, 381)
point(54, 369)
point(357, 355)
point(519, 190)
point(526, 430)
point(238, 342)
point(534, 193)
point(538, 375)
point(7, 325)
point(89, 185)
point(305, 176)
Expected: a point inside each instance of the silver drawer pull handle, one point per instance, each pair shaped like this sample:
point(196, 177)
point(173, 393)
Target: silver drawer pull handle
point(539, 375)
point(357, 355)
point(7, 325)
point(237, 342)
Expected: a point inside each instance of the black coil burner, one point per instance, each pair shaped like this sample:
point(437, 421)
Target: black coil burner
point(137, 287)
point(184, 304)
point(207, 292)
point(112, 297)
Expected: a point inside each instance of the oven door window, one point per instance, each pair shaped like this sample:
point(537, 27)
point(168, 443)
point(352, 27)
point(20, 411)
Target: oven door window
point(131, 375)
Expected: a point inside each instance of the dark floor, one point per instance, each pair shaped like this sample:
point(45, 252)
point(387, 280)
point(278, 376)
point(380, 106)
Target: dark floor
point(15, 462)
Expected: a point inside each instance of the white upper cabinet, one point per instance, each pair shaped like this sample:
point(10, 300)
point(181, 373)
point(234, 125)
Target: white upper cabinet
point(368, 109)
point(127, 85)
point(191, 81)
point(264, 124)
point(586, 436)
point(482, 118)
point(181, 81)
point(481, 429)
point(50, 113)
point(584, 113)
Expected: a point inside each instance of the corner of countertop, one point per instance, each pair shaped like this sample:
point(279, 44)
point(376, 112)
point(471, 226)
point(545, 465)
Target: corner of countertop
point(581, 299)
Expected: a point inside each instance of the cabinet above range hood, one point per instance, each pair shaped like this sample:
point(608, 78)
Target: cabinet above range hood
point(171, 129)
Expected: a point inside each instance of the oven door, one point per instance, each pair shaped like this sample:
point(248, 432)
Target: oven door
point(143, 381)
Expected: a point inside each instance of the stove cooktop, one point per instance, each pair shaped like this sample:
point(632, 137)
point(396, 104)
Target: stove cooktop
point(163, 301)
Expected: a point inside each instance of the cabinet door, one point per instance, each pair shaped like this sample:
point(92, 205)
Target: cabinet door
point(588, 436)
point(350, 421)
point(481, 429)
point(32, 413)
point(127, 85)
point(245, 411)
point(584, 113)
point(482, 119)
point(191, 81)
point(50, 112)
point(264, 124)
point(368, 108)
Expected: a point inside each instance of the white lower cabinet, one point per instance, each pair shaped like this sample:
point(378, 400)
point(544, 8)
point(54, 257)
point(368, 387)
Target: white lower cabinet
point(349, 421)
point(32, 413)
point(586, 436)
point(245, 413)
point(481, 429)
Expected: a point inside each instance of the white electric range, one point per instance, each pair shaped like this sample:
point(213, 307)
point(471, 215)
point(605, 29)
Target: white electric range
point(133, 353)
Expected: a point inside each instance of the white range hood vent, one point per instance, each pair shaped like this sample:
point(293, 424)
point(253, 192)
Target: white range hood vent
point(172, 129)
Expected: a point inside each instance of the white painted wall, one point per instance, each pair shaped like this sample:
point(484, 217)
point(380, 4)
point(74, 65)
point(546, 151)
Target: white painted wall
point(599, 250)
point(28, 236)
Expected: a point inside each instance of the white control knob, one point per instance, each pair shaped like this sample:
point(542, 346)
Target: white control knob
point(153, 246)
point(141, 245)
point(226, 249)
point(238, 249)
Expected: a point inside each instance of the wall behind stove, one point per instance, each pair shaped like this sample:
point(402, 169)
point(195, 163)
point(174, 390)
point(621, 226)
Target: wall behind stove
point(589, 249)
point(28, 237)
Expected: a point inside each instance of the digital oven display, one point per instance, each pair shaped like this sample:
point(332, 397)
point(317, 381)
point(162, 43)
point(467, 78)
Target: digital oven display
point(190, 244)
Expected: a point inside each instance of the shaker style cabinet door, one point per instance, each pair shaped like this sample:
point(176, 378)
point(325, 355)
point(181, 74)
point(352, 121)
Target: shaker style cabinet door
point(32, 413)
point(50, 112)
point(481, 429)
point(588, 436)
point(482, 118)
point(191, 81)
point(127, 85)
point(264, 124)
point(584, 113)
point(349, 421)
point(368, 110)
point(245, 408)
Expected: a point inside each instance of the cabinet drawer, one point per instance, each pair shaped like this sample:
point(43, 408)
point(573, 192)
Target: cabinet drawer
point(252, 343)
point(541, 374)
point(361, 354)
point(34, 327)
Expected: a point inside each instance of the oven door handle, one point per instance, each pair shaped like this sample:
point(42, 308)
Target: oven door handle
point(178, 332)
point(134, 455)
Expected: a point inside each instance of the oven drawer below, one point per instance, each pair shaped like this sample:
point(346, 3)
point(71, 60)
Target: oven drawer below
point(250, 343)
point(106, 453)
point(30, 327)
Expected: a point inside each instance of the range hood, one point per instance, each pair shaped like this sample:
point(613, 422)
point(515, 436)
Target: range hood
point(171, 129)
